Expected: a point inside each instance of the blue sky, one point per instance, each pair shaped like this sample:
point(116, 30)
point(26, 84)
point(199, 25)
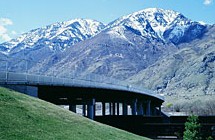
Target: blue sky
point(19, 16)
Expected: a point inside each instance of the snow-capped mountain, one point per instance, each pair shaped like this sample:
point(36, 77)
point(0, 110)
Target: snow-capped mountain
point(142, 38)
point(166, 25)
point(124, 47)
point(58, 36)
point(148, 21)
point(152, 23)
point(127, 45)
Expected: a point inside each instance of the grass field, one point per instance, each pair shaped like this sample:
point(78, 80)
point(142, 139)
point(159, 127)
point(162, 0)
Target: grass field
point(26, 118)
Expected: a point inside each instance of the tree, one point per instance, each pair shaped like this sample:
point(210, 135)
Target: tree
point(192, 128)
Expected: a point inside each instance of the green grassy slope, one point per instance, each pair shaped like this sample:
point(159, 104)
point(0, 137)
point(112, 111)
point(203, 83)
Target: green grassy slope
point(24, 117)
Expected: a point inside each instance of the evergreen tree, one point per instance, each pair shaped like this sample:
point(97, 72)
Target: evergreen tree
point(192, 128)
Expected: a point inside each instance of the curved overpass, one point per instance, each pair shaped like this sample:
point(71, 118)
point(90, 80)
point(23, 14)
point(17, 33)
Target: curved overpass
point(13, 78)
point(86, 91)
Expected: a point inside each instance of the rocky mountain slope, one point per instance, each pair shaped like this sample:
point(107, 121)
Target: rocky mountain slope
point(127, 45)
point(108, 55)
point(188, 73)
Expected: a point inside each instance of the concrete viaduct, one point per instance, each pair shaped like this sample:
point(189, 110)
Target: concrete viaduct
point(115, 98)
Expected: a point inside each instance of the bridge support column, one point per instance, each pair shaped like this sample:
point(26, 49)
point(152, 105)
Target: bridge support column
point(94, 108)
point(148, 108)
point(134, 107)
point(103, 108)
point(154, 111)
point(125, 108)
point(139, 108)
point(117, 106)
point(84, 110)
point(114, 108)
point(110, 109)
point(72, 108)
point(159, 110)
point(144, 108)
point(90, 109)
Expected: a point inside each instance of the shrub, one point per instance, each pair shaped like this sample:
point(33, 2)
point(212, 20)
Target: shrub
point(192, 128)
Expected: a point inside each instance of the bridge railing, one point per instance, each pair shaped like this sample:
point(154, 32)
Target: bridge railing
point(29, 71)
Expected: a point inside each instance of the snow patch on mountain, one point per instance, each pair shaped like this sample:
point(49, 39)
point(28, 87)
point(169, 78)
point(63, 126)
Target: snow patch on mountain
point(56, 35)
point(117, 32)
point(158, 23)
point(148, 21)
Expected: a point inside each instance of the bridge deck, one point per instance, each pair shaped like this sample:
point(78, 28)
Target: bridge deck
point(13, 78)
point(85, 91)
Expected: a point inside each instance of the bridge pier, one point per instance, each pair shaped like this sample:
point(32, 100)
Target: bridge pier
point(148, 108)
point(94, 109)
point(134, 107)
point(124, 108)
point(139, 108)
point(84, 110)
point(103, 108)
point(159, 110)
point(154, 110)
point(91, 108)
point(114, 108)
point(72, 108)
point(117, 106)
point(110, 109)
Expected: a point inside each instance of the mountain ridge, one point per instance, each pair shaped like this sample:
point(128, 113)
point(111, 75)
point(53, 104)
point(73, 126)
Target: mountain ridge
point(118, 51)
point(150, 21)
point(67, 32)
